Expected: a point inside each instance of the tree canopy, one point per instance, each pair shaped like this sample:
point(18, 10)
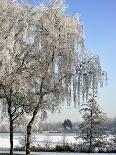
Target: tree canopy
point(43, 59)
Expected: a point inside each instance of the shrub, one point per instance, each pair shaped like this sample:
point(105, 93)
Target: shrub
point(61, 148)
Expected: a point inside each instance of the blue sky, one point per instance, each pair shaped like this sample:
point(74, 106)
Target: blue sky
point(99, 20)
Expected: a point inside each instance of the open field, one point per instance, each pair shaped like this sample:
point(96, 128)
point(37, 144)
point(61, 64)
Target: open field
point(38, 139)
point(43, 139)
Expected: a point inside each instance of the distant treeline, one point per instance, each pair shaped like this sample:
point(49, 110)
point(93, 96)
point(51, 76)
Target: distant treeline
point(109, 126)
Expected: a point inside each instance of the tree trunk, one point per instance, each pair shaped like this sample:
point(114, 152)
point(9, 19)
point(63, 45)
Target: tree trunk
point(28, 140)
point(29, 127)
point(29, 130)
point(11, 127)
point(91, 133)
point(11, 136)
point(90, 145)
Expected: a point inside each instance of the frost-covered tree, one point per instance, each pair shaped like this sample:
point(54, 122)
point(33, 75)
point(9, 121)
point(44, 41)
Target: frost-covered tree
point(89, 76)
point(40, 59)
point(56, 69)
point(13, 30)
point(52, 57)
point(91, 130)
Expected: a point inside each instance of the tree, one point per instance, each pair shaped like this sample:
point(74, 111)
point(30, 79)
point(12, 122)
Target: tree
point(13, 28)
point(54, 66)
point(67, 123)
point(91, 130)
point(40, 60)
point(52, 58)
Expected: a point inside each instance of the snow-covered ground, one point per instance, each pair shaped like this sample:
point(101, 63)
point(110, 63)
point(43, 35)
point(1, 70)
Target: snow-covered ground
point(57, 153)
point(43, 139)
point(4, 141)
point(50, 139)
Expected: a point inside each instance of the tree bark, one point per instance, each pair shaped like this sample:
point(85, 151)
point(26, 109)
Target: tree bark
point(28, 140)
point(11, 136)
point(29, 126)
point(91, 133)
point(11, 127)
point(29, 130)
point(90, 145)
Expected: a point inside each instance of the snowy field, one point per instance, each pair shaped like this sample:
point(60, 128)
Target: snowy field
point(43, 139)
point(38, 139)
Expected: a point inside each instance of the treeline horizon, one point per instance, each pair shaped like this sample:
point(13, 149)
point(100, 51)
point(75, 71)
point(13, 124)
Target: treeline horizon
point(108, 123)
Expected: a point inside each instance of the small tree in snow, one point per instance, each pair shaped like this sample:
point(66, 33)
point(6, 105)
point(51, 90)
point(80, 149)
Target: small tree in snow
point(91, 131)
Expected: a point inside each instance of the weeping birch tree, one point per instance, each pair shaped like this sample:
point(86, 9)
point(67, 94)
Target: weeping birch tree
point(53, 57)
point(58, 72)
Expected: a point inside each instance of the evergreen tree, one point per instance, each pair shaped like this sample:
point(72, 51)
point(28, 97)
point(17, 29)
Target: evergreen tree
point(67, 123)
point(91, 130)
